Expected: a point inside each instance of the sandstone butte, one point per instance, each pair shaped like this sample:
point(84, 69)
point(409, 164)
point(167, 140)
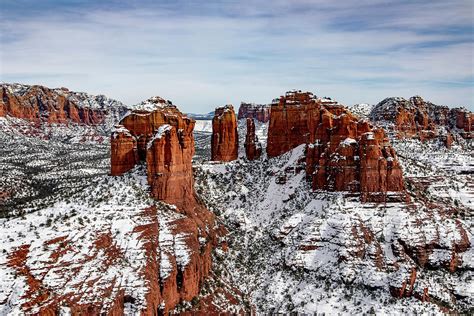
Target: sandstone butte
point(343, 153)
point(260, 112)
point(225, 139)
point(417, 118)
point(163, 138)
point(39, 104)
point(253, 149)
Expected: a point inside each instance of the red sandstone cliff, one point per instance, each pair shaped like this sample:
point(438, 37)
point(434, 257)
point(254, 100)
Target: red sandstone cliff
point(225, 140)
point(163, 137)
point(124, 153)
point(422, 119)
point(343, 152)
point(253, 149)
point(43, 105)
point(259, 112)
point(293, 121)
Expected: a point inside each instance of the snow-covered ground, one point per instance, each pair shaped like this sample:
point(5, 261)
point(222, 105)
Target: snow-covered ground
point(73, 230)
point(292, 249)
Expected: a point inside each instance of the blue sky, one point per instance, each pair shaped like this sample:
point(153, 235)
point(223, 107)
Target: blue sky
point(203, 54)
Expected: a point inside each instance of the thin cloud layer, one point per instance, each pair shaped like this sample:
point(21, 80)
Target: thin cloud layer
point(205, 55)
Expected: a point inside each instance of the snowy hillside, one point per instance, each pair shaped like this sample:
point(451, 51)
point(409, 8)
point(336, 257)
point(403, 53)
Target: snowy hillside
point(292, 249)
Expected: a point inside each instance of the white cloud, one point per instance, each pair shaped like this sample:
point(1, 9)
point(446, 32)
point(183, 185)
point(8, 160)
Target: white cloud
point(254, 53)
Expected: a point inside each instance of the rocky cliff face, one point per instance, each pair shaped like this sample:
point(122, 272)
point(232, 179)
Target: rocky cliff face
point(253, 148)
point(124, 152)
point(422, 119)
point(293, 121)
point(259, 112)
point(351, 155)
point(61, 114)
point(44, 105)
point(225, 140)
point(321, 244)
point(343, 152)
point(159, 134)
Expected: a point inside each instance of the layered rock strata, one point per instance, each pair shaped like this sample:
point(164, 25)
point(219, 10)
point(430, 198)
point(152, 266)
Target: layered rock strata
point(163, 137)
point(417, 118)
point(224, 140)
point(40, 104)
point(343, 153)
point(253, 148)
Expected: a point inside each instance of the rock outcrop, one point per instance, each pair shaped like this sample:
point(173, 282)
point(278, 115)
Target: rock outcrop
point(253, 149)
point(293, 121)
point(124, 152)
point(225, 140)
point(159, 134)
point(259, 112)
point(343, 153)
point(417, 118)
point(40, 105)
point(350, 155)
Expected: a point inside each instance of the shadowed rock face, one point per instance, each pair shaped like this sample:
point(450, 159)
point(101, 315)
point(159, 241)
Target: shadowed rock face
point(225, 140)
point(43, 105)
point(417, 118)
point(253, 149)
point(259, 112)
point(343, 153)
point(124, 154)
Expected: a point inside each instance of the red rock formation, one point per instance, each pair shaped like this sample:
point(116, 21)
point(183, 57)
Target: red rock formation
point(43, 105)
point(105, 294)
point(259, 112)
point(253, 149)
point(225, 140)
point(421, 119)
point(464, 120)
point(407, 287)
point(343, 152)
point(183, 283)
point(163, 137)
point(124, 153)
point(293, 121)
point(169, 165)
